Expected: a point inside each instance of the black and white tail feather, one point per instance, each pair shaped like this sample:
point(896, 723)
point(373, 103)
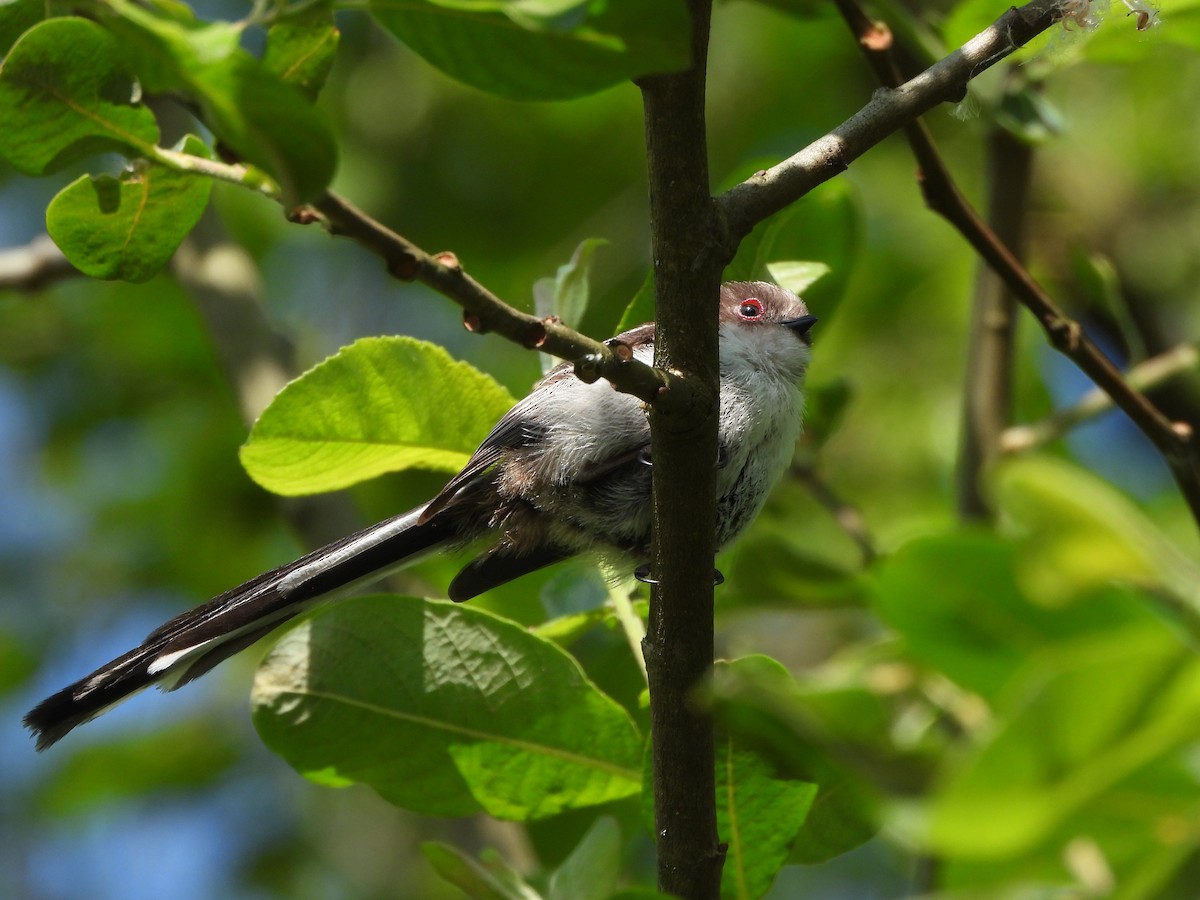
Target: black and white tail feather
point(191, 644)
point(565, 471)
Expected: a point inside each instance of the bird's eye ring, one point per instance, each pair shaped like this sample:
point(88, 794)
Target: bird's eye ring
point(751, 308)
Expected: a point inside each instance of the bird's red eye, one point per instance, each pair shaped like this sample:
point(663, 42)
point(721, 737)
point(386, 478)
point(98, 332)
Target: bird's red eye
point(751, 308)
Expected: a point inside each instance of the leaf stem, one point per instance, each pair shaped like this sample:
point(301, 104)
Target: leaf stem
point(234, 173)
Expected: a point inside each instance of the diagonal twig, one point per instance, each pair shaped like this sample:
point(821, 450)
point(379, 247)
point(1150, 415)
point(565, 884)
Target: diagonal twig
point(483, 311)
point(1175, 440)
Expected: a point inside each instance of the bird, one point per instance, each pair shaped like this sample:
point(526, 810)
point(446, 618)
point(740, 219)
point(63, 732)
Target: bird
point(566, 471)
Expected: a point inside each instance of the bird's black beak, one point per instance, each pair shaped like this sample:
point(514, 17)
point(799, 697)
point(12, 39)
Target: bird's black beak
point(801, 324)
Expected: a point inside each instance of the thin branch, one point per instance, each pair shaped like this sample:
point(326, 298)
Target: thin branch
point(235, 173)
point(987, 393)
point(483, 311)
point(844, 514)
point(770, 190)
point(34, 266)
point(1152, 373)
point(621, 588)
point(1175, 440)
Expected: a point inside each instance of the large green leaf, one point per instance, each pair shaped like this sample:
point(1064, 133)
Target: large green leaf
point(443, 709)
point(759, 815)
point(1081, 718)
point(758, 702)
point(65, 93)
point(127, 228)
point(516, 53)
point(761, 809)
point(956, 601)
point(1076, 531)
point(380, 405)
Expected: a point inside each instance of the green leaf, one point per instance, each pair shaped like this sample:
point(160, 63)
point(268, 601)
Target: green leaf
point(380, 405)
point(795, 275)
point(1077, 531)
point(127, 228)
point(956, 601)
point(801, 9)
point(592, 869)
point(760, 809)
point(759, 815)
point(641, 308)
point(1082, 718)
point(566, 294)
point(477, 881)
point(16, 17)
point(506, 51)
point(822, 228)
point(264, 120)
point(66, 93)
point(445, 710)
point(757, 701)
point(300, 50)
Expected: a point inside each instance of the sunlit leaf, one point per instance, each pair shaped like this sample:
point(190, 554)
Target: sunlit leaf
point(957, 602)
point(128, 228)
point(1080, 719)
point(759, 815)
point(443, 709)
point(380, 405)
point(66, 93)
point(1076, 531)
point(265, 120)
point(524, 57)
point(475, 879)
point(761, 705)
point(795, 275)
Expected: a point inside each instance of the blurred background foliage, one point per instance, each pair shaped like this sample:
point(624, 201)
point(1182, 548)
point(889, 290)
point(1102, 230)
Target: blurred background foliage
point(1015, 705)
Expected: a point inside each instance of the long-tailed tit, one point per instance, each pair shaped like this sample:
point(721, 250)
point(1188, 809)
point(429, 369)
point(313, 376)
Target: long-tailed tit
point(566, 471)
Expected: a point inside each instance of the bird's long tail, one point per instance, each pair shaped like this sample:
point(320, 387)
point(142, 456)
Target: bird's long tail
point(196, 641)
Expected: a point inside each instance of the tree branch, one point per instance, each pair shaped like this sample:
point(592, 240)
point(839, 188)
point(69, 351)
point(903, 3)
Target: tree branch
point(844, 514)
point(987, 394)
point(483, 311)
point(745, 205)
point(1154, 372)
point(1175, 440)
point(35, 266)
point(688, 261)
